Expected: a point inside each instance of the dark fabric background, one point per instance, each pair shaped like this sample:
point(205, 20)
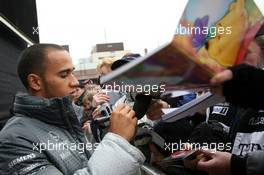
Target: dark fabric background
point(10, 48)
point(23, 15)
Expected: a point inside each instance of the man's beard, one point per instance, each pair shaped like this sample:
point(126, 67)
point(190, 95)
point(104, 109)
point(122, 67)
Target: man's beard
point(46, 89)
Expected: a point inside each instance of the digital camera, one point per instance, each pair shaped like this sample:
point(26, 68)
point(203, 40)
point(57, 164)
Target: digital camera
point(105, 110)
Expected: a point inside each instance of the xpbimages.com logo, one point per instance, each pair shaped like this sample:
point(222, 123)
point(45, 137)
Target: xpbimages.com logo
point(146, 88)
point(203, 30)
point(182, 146)
point(64, 146)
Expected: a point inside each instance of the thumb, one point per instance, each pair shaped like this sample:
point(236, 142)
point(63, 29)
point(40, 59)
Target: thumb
point(208, 153)
point(222, 77)
point(206, 162)
point(120, 107)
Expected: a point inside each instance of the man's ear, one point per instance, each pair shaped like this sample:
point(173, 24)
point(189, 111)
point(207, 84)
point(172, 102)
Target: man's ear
point(34, 82)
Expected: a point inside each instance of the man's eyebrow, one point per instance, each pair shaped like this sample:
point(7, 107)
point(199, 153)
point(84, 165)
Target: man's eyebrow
point(66, 70)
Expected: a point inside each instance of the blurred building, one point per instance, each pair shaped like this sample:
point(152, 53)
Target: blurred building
point(101, 51)
point(86, 67)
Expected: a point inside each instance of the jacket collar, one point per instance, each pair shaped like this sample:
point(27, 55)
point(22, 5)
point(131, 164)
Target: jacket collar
point(55, 111)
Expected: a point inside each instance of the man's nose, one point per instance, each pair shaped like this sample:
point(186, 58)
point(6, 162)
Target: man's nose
point(74, 82)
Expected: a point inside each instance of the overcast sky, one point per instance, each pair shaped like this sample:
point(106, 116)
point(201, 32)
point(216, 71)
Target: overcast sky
point(83, 23)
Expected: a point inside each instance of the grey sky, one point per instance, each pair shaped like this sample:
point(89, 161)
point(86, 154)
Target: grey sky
point(83, 23)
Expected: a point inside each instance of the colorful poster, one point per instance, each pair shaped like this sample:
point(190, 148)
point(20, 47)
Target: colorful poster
point(211, 35)
point(220, 30)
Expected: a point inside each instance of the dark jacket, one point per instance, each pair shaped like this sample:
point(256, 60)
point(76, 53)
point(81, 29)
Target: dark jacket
point(246, 90)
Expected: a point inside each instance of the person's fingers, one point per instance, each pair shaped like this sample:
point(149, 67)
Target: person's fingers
point(156, 154)
point(154, 117)
point(100, 93)
point(205, 164)
point(104, 96)
point(134, 121)
point(207, 161)
point(191, 163)
point(98, 108)
point(95, 114)
point(85, 125)
point(126, 109)
point(154, 114)
point(98, 99)
point(103, 99)
point(164, 104)
point(120, 107)
point(131, 114)
point(208, 153)
point(200, 156)
point(222, 77)
point(203, 159)
point(158, 104)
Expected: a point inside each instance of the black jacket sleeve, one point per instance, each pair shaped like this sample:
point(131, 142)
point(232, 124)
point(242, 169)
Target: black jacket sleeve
point(251, 164)
point(238, 165)
point(246, 89)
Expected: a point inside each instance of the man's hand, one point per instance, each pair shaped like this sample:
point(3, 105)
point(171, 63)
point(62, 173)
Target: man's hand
point(87, 127)
point(96, 112)
point(154, 111)
point(192, 163)
point(221, 77)
point(215, 163)
point(157, 156)
point(99, 99)
point(123, 122)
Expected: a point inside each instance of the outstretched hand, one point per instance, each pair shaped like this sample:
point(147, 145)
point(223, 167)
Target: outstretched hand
point(214, 163)
point(154, 111)
point(99, 99)
point(221, 77)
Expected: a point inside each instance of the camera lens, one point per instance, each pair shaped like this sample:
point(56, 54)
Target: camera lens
point(103, 113)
